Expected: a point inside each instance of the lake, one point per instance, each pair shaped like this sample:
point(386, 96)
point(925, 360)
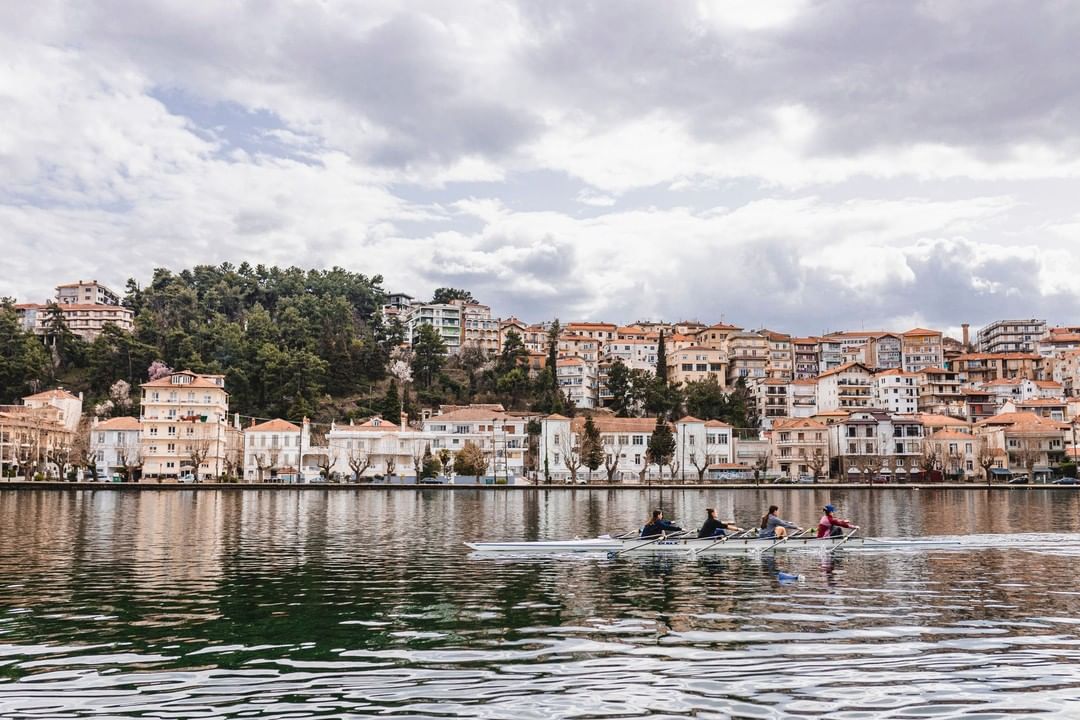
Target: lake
point(353, 603)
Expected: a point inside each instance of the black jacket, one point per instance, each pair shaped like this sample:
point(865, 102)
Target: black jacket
point(655, 528)
point(712, 527)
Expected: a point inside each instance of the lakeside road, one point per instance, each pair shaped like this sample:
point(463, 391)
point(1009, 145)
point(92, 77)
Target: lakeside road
point(56, 485)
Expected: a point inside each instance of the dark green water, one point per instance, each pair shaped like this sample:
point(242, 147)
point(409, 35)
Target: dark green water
point(329, 604)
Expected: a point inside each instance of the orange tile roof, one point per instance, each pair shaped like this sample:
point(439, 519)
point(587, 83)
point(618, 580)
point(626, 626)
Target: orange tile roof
point(119, 423)
point(467, 414)
point(842, 368)
point(610, 424)
point(275, 425)
point(951, 435)
point(54, 394)
point(689, 419)
point(717, 424)
point(796, 423)
point(921, 331)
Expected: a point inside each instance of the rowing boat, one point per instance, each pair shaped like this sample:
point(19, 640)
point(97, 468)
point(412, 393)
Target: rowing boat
point(707, 546)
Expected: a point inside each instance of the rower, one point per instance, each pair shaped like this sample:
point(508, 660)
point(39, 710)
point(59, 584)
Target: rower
point(714, 527)
point(658, 525)
point(831, 526)
point(774, 527)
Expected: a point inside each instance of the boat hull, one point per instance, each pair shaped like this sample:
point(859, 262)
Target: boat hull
point(702, 545)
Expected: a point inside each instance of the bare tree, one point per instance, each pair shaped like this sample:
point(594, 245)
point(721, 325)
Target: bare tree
point(987, 458)
point(701, 466)
point(761, 465)
point(611, 462)
point(262, 464)
point(234, 463)
point(1027, 454)
point(673, 467)
point(391, 465)
point(82, 453)
point(868, 464)
point(130, 459)
point(418, 461)
point(359, 461)
point(326, 462)
point(954, 462)
point(198, 449)
point(571, 456)
point(818, 460)
point(930, 458)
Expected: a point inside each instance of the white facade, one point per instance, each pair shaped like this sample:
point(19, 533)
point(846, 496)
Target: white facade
point(184, 413)
point(445, 318)
point(115, 444)
point(896, 392)
point(847, 387)
point(272, 451)
point(578, 381)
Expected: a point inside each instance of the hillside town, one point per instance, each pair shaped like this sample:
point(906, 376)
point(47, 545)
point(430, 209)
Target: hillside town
point(850, 405)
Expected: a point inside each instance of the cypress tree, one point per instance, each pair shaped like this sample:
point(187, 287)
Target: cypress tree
point(661, 360)
point(592, 447)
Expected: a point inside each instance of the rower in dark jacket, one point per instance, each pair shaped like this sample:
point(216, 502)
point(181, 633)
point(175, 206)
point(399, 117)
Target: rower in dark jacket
point(714, 527)
point(658, 525)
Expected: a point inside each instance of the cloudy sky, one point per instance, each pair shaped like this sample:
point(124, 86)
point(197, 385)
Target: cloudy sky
point(800, 164)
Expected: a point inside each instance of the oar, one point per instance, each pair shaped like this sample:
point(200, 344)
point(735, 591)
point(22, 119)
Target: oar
point(721, 541)
point(846, 538)
point(658, 538)
point(784, 540)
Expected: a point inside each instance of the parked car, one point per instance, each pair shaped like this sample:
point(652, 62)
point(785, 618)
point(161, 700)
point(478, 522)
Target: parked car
point(1018, 480)
point(784, 480)
point(186, 478)
point(804, 478)
point(1066, 481)
point(433, 480)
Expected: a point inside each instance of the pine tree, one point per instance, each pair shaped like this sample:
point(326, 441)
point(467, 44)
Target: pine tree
point(391, 407)
point(661, 446)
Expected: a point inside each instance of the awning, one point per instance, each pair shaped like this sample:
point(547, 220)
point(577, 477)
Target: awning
point(1000, 471)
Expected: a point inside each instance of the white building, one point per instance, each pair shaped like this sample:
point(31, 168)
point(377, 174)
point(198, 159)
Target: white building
point(1011, 336)
point(502, 437)
point(802, 399)
point(896, 391)
point(446, 318)
point(115, 444)
point(846, 387)
point(578, 381)
point(184, 425)
point(272, 450)
point(698, 444)
point(86, 292)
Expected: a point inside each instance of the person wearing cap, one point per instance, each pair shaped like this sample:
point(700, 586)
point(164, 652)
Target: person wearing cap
point(658, 525)
point(713, 527)
point(829, 525)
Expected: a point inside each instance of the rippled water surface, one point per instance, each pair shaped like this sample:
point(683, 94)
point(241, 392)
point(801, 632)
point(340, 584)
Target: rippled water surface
point(340, 603)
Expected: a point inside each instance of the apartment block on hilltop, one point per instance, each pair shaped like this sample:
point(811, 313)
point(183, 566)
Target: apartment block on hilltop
point(984, 367)
point(578, 381)
point(697, 362)
point(445, 318)
point(807, 358)
point(748, 356)
point(87, 307)
point(478, 328)
point(1010, 336)
point(781, 358)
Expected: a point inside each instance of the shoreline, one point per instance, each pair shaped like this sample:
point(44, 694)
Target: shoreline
point(203, 487)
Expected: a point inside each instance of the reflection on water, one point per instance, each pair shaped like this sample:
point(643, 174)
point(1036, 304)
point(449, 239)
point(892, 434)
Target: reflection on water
point(334, 603)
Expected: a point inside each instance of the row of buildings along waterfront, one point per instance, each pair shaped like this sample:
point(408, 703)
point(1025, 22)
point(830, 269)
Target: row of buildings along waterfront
point(185, 432)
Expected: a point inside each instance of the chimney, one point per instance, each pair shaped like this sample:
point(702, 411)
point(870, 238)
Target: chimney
point(967, 334)
point(404, 420)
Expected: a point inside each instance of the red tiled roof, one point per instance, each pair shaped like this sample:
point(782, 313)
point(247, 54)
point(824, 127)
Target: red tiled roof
point(119, 423)
point(54, 394)
point(275, 425)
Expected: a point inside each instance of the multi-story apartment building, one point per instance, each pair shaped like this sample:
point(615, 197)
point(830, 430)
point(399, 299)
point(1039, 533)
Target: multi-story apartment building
point(773, 399)
point(578, 381)
point(868, 443)
point(781, 362)
point(697, 362)
point(184, 425)
point(479, 329)
point(86, 292)
point(984, 367)
point(979, 404)
point(1010, 336)
point(847, 387)
point(830, 353)
point(580, 346)
point(272, 451)
point(634, 354)
point(115, 445)
point(800, 446)
point(875, 349)
point(748, 355)
point(806, 358)
point(698, 445)
point(446, 318)
point(86, 321)
point(922, 349)
point(512, 325)
point(1066, 370)
point(896, 391)
point(602, 332)
point(802, 399)
point(1058, 340)
point(535, 338)
point(940, 392)
point(716, 336)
